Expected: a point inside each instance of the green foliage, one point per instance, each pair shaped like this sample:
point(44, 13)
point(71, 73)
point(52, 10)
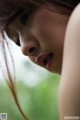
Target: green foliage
point(39, 102)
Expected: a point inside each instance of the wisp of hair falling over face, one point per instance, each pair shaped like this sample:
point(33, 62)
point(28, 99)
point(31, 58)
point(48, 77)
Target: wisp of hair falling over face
point(9, 10)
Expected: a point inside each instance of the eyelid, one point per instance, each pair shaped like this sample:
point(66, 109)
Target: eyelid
point(13, 37)
point(18, 42)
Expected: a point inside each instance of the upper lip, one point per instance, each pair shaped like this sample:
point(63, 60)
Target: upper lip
point(44, 58)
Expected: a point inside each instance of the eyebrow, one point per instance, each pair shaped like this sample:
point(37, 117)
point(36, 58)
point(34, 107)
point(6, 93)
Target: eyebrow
point(17, 13)
point(14, 15)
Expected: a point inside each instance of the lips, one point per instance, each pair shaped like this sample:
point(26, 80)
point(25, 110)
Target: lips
point(45, 60)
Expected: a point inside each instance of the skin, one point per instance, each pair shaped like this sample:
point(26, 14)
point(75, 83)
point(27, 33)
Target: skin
point(69, 101)
point(46, 30)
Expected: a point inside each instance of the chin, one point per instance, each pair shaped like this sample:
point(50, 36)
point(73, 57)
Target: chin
point(56, 70)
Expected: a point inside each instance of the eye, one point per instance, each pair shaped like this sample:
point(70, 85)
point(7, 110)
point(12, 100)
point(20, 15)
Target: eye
point(13, 35)
point(25, 16)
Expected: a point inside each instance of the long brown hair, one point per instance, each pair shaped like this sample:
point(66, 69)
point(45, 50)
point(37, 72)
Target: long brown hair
point(14, 7)
point(10, 9)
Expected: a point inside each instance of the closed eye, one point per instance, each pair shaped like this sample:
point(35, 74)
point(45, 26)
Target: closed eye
point(10, 30)
point(13, 35)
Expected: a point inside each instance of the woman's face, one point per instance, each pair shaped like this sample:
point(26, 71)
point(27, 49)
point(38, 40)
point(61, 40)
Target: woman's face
point(41, 37)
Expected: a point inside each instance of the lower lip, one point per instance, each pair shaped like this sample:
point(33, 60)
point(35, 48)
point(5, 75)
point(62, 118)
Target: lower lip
point(49, 65)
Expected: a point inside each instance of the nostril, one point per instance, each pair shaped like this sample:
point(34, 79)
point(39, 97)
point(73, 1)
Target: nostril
point(32, 50)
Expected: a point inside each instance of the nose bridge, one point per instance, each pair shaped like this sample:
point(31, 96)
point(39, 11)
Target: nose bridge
point(29, 45)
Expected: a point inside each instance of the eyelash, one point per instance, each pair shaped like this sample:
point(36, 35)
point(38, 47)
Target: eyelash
point(23, 20)
point(18, 41)
point(17, 37)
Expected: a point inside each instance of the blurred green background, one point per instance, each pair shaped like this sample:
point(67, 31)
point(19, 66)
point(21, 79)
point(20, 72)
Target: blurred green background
point(39, 102)
point(37, 91)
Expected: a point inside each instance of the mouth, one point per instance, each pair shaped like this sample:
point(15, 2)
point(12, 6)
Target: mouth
point(45, 60)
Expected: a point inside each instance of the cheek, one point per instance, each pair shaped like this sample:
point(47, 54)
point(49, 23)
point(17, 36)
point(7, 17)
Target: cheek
point(43, 33)
point(59, 35)
point(49, 36)
point(49, 33)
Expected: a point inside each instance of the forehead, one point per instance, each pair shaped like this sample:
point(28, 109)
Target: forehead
point(41, 16)
point(45, 16)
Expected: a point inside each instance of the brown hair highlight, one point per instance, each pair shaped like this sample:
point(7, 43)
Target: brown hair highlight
point(15, 7)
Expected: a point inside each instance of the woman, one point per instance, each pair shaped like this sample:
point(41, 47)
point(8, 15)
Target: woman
point(49, 33)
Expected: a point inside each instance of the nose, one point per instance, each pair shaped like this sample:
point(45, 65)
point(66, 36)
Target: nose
point(31, 51)
point(29, 48)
